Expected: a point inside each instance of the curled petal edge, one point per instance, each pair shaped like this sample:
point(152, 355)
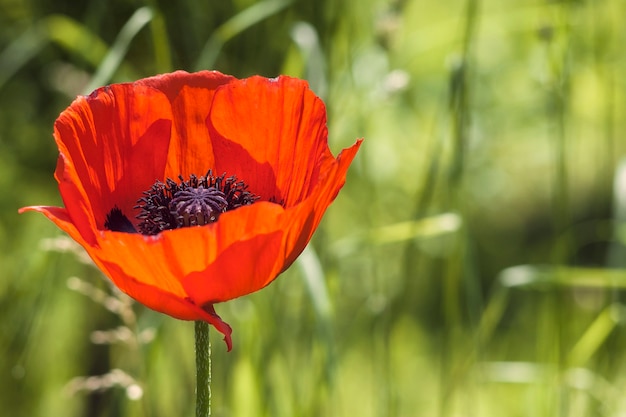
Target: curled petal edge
point(208, 314)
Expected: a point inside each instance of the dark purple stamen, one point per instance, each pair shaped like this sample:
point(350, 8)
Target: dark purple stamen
point(195, 202)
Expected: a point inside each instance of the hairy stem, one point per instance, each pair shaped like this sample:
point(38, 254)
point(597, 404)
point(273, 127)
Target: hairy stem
point(203, 369)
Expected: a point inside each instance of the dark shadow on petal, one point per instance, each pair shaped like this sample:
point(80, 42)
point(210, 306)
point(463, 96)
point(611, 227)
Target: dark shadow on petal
point(234, 159)
point(242, 268)
point(141, 165)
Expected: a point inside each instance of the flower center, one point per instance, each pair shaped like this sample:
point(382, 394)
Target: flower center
point(195, 202)
point(198, 206)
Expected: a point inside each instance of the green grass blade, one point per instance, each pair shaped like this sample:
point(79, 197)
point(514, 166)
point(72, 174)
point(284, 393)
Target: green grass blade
point(235, 25)
point(61, 30)
point(75, 38)
point(305, 37)
point(70, 35)
point(533, 276)
point(616, 255)
point(20, 51)
point(424, 228)
point(595, 335)
point(313, 273)
point(160, 42)
point(116, 54)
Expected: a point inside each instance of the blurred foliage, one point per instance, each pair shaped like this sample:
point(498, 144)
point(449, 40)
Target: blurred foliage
point(472, 265)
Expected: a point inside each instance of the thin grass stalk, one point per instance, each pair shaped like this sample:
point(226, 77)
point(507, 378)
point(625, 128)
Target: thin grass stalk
point(120, 47)
point(456, 270)
point(559, 308)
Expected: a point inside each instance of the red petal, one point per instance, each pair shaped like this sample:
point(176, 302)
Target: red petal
point(173, 83)
point(270, 131)
point(208, 314)
point(199, 262)
point(241, 268)
point(113, 144)
point(61, 218)
point(190, 95)
point(303, 219)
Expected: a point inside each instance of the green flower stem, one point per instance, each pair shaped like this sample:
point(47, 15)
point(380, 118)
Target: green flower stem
point(203, 369)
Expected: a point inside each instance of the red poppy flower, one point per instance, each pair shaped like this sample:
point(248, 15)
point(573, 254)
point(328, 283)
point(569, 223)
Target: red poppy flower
point(244, 163)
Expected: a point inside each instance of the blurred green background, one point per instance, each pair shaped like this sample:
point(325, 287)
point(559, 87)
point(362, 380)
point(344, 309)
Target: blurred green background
point(471, 266)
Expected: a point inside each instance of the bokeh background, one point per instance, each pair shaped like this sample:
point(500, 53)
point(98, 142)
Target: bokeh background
point(471, 266)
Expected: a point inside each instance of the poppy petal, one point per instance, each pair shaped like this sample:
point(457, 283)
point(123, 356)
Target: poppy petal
point(249, 254)
point(199, 256)
point(190, 95)
point(60, 217)
point(303, 219)
point(208, 314)
point(276, 141)
point(158, 299)
point(111, 143)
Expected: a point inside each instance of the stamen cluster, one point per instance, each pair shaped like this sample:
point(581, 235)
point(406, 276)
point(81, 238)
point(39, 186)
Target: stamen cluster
point(195, 202)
